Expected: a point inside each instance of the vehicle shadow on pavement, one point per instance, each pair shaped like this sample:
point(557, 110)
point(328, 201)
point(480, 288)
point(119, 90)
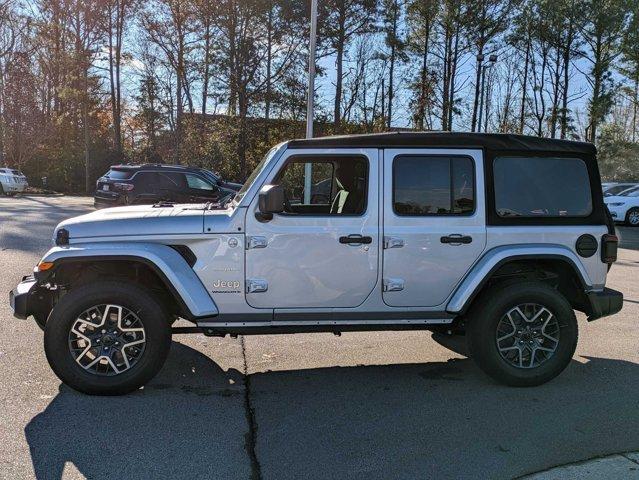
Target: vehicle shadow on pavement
point(431, 420)
point(188, 422)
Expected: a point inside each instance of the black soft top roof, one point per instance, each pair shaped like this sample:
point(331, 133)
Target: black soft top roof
point(496, 142)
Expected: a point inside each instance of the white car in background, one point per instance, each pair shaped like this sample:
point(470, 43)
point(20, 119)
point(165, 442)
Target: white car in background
point(616, 188)
point(625, 207)
point(12, 181)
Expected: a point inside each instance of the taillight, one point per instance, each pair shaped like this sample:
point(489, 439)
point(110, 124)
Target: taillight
point(125, 187)
point(609, 244)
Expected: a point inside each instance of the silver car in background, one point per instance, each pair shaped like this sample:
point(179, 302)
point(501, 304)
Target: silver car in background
point(12, 181)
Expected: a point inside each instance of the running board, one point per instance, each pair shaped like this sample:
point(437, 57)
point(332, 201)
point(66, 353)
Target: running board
point(332, 323)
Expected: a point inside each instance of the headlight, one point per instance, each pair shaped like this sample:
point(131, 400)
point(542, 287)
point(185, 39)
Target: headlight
point(616, 204)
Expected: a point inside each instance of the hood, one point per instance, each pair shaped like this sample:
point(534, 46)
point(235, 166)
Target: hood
point(135, 221)
point(616, 198)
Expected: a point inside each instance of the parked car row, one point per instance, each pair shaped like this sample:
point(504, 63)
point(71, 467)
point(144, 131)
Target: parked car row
point(152, 183)
point(12, 181)
point(624, 207)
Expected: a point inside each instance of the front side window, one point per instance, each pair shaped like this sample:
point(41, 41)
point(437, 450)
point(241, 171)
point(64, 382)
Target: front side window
point(426, 185)
point(336, 185)
point(541, 187)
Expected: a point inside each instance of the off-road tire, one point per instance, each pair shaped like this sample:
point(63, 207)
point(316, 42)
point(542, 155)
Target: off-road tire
point(155, 320)
point(632, 212)
point(483, 320)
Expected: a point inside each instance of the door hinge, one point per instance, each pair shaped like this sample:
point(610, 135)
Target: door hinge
point(256, 242)
point(393, 242)
point(393, 284)
point(254, 285)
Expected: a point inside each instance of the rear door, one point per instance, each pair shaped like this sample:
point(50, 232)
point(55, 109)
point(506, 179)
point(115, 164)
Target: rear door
point(434, 223)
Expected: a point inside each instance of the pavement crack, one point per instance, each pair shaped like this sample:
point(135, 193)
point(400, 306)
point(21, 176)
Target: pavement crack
point(250, 439)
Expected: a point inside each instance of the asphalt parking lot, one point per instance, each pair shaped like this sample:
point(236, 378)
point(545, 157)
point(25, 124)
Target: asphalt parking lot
point(314, 406)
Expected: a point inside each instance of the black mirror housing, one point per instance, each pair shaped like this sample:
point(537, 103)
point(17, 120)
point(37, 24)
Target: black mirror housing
point(270, 201)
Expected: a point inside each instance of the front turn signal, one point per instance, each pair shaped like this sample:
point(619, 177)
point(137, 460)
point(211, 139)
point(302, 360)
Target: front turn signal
point(44, 266)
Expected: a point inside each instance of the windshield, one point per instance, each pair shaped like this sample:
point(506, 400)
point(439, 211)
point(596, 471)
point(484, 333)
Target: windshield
point(249, 181)
point(633, 192)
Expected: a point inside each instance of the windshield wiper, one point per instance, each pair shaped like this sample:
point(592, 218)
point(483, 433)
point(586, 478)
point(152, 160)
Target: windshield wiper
point(163, 204)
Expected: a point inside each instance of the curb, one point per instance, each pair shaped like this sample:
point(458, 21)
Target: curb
point(621, 465)
point(27, 195)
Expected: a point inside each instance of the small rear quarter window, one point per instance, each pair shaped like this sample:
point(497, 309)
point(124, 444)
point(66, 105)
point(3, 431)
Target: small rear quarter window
point(542, 187)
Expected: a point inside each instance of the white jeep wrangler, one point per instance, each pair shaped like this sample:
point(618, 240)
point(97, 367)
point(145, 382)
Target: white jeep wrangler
point(495, 237)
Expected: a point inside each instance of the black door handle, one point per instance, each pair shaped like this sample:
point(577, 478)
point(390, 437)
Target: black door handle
point(457, 239)
point(355, 239)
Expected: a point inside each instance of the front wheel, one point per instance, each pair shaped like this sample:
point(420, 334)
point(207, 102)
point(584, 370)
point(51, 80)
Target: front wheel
point(632, 217)
point(522, 334)
point(107, 338)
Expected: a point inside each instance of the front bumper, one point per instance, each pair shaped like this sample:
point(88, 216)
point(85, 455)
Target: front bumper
point(107, 200)
point(604, 303)
point(618, 214)
point(14, 187)
point(21, 297)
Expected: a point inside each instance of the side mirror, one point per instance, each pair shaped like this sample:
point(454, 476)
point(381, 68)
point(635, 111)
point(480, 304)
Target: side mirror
point(270, 201)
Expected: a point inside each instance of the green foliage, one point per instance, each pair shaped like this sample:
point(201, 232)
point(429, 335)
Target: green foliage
point(618, 156)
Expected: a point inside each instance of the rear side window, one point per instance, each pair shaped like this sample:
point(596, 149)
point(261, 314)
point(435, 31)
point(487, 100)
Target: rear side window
point(542, 187)
point(197, 183)
point(433, 185)
point(119, 174)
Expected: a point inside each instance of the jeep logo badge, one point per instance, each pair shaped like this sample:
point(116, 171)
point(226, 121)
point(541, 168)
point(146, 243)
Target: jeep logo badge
point(226, 284)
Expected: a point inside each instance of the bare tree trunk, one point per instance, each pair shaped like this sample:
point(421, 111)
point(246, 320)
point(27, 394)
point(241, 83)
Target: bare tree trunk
point(392, 65)
point(453, 76)
point(85, 122)
point(566, 72)
point(480, 55)
point(424, 76)
point(269, 61)
point(635, 103)
point(446, 80)
point(554, 112)
point(207, 54)
point(524, 87)
point(337, 113)
point(116, 19)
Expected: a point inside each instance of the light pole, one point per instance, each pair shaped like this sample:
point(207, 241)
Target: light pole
point(310, 110)
point(491, 61)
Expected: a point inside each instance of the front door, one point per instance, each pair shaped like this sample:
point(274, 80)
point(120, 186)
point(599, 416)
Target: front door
point(322, 251)
point(434, 223)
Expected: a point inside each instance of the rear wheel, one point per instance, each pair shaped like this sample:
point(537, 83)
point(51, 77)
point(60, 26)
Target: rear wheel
point(522, 334)
point(632, 217)
point(107, 338)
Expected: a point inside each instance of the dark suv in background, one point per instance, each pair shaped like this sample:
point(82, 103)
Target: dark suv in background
point(151, 183)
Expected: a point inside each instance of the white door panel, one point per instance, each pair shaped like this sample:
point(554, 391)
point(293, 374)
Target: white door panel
point(416, 255)
point(303, 263)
